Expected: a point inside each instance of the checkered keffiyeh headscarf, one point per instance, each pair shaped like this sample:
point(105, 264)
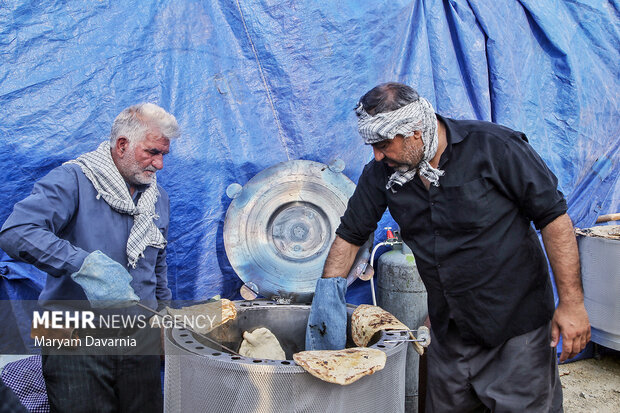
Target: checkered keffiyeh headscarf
point(418, 115)
point(100, 169)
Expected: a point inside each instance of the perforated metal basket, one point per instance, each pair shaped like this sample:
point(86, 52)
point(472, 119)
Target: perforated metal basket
point(601, 285)
point(202, 378)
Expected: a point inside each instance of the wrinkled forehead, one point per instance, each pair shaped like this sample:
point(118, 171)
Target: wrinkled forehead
point(153, 138)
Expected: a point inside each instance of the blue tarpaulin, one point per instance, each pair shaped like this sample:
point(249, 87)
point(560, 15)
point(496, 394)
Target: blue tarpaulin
point(257, 82)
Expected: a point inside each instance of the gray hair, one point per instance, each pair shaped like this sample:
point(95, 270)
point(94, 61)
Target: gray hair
point(388, 97)
point(134, 121)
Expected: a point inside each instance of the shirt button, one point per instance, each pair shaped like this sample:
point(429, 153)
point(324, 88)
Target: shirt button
point(433, 203)
point(436, 232)
point(438, 266)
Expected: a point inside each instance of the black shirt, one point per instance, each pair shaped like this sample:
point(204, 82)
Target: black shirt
point(476, 251)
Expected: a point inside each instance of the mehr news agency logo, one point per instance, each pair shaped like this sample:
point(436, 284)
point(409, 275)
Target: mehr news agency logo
point(46, 326)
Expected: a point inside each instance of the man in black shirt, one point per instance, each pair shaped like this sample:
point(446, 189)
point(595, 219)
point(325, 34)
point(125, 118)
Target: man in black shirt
point(464, 194)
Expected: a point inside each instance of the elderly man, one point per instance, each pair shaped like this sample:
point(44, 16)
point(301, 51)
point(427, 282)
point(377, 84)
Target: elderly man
point(464, 194)
point(98, 225)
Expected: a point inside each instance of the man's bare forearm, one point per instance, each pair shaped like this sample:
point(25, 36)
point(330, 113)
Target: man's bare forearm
point(340, 258)
point(561, 246)
point(570, 319)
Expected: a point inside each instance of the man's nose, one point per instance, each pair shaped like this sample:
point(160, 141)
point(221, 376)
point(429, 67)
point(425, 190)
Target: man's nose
point(158, 161)
point(378, 154)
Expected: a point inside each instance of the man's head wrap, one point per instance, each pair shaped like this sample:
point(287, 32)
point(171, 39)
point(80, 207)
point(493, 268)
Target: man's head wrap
point(417, 115)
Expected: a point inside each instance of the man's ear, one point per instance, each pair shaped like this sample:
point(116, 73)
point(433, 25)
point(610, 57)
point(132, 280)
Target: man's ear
point(417, 134)
point(122, 146)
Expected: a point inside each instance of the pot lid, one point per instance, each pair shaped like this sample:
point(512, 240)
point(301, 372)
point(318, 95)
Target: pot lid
point(280, 225)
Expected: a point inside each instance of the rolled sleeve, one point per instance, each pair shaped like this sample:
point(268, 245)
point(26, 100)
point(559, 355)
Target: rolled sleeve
point(365, 207)
point(530, 183)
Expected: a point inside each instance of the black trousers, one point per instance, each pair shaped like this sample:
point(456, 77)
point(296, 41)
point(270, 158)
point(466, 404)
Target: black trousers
point(520, 375)
point(103, 383)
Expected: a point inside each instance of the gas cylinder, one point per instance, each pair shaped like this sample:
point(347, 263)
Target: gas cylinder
point(401, 292)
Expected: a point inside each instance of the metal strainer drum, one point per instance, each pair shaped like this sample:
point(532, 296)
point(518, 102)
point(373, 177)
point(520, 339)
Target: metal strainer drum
point(201, 378)
point(277, 232)
point(280, 225)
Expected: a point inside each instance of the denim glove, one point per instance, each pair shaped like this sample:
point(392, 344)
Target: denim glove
point(105, 282)
point(327, 324)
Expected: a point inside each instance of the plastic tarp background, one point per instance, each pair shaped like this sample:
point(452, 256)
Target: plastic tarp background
point(257, 82)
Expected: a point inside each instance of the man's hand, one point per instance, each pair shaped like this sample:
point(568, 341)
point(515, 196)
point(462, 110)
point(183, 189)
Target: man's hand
point(570, 318)
point(105, 282)
point(571, 321)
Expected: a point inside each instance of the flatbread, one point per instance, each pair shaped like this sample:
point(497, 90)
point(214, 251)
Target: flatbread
point(368, 319)
point(219, 312)
point(261, 344)
point(603, 231)
point(341, 366)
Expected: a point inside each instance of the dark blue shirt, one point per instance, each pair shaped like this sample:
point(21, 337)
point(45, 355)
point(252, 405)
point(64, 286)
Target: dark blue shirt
point(476, 251)
point(62, 221)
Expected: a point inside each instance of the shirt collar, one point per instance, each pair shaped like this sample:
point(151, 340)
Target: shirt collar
point(454, 135)
point(137, 192)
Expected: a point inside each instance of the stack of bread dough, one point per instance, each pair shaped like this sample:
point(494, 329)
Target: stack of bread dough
point(261, 344)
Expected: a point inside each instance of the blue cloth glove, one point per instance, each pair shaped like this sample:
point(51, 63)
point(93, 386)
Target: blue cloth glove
point(105, 282)
point(327, 323)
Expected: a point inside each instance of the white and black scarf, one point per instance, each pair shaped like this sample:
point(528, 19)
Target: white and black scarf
point(100, 169)
point(418, 115)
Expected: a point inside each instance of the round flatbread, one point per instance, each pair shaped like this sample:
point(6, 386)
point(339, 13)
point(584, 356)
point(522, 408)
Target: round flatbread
point(368, 319)
point(206, 316)
point(341, 366)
